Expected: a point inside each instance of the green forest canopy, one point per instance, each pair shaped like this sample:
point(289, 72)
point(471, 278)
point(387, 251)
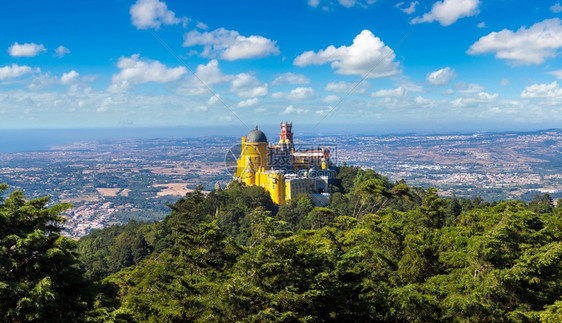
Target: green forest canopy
point(380, 251)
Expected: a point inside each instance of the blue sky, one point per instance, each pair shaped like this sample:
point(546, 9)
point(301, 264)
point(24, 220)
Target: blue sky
point(361, 64)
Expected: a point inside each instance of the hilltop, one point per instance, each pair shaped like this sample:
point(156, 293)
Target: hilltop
point(381, 251)
point(114, 181)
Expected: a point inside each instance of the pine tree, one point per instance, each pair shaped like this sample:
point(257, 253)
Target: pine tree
point(39, 276)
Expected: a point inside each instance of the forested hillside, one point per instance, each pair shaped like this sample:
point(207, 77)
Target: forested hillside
point(380, 251)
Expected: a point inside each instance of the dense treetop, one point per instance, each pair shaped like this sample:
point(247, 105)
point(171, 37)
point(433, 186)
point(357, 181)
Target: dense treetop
point(380, 251)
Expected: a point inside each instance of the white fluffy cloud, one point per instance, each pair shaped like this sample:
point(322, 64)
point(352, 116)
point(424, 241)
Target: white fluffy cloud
point(297, 94)
point(135, 70)
point(152, 14)
point(345, 3)
point(292, 110)
point(291, 78)
point(202, 25)
point(89, 107)
point(313, 3)
point(447, 12)
point(42, 81)
point(441, 77)
point(556, 8)
point(474, 99)
point(230, 45)
point(215, 99)
point(367, 54)
point(13, 71)
point(469, 88)
point(543, 90)
point(248, 103)
point(209, 74)
point(25, 50)
point(331, 98)
point(487, 96)
point(352, 3)
point(246, 85)
point(531, 45)
point(408, 10)
point(392, 99)
point(61, 51)
point(345, 87)
point(67, 78)
point(397, 92)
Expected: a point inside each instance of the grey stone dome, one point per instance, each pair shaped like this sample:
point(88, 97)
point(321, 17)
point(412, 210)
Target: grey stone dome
point(256, 136)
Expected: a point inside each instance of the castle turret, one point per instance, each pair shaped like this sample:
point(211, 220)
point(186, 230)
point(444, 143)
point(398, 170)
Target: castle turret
point(253, 157)
point(279, 168)
point(286, 135)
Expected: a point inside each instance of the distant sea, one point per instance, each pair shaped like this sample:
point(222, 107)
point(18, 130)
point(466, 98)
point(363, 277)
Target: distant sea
point(22, 140)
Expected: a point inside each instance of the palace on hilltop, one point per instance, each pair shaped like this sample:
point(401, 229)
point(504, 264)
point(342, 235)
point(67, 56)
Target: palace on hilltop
point(284, 171)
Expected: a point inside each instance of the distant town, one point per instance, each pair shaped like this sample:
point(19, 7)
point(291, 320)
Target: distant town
point(115, 181)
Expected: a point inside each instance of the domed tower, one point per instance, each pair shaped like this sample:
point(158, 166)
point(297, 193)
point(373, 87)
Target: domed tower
point(254, 156)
